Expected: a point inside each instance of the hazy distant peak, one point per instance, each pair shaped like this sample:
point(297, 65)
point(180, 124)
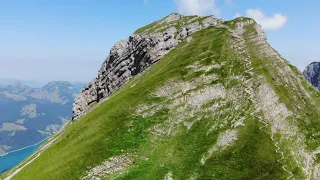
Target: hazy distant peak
point(18, 85)
point(57, 84)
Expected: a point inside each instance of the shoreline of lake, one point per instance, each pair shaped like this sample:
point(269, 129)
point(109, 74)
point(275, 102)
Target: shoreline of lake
point(13, 158)
point(24, 147)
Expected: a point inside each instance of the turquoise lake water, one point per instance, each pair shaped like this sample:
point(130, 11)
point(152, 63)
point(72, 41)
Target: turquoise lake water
point(13, 158)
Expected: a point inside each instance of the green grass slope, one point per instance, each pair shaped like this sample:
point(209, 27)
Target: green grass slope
point(223, 106)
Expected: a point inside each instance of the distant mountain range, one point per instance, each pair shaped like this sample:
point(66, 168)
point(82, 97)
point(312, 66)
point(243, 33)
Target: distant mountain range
point(28, 115)
point(36, 84)
point(8, 81)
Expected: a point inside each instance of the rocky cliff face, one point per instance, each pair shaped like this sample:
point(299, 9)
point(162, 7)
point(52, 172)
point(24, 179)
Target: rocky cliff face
point(132, 56)
point(312, 73)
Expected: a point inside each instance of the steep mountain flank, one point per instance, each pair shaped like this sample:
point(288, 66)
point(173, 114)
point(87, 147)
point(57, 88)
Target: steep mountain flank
point(29, 115)
point(221, 104)
point(132, 56)
point(312, 73)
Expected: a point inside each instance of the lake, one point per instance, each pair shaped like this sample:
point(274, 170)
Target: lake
point(11, 159)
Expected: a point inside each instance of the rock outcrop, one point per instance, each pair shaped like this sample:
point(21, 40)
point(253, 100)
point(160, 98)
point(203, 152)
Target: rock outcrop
point(132, 56)
point(312, 73)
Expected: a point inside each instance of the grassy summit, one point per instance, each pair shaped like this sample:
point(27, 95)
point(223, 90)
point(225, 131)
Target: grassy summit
point(223, 106)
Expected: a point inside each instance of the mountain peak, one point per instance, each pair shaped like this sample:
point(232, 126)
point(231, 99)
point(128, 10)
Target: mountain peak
point(18, 85)
point(177, 21)
point(54, 84)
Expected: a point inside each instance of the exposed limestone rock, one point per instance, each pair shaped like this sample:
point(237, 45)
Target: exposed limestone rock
point(277, 114)
point(130, 57)
point(197, 67)
point(171, 18)
point(110, 166)
point(273, 110)
point(224, 140)
point(191, 28)
point(185, 101)
point(211, 21)
point(127, 59)
point(239, 30)
point(189, 39)
point(168, 176)
point(316, 173)
point(192, 19)
point(200, 97)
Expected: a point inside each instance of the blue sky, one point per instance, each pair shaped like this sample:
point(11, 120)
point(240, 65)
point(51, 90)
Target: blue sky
point(69, 40)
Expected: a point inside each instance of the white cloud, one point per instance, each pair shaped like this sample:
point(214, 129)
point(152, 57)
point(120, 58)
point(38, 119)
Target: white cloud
point(197, 7)
point(268, 23)
point(237, 15)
